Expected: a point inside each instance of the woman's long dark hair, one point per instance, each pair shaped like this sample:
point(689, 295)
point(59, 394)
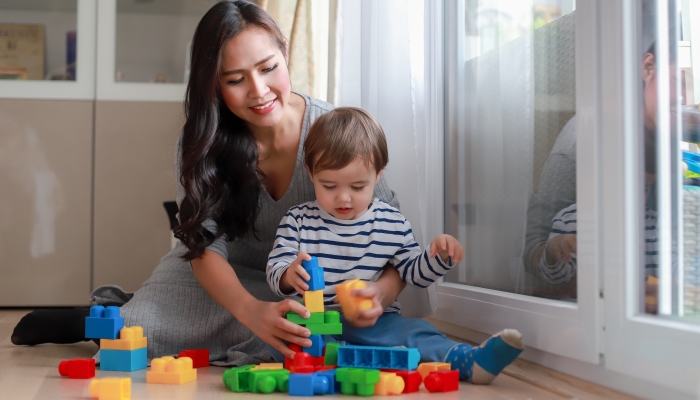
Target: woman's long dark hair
point(219, 154)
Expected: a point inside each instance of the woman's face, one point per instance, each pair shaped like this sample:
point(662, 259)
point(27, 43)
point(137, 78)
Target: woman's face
point(254, 78)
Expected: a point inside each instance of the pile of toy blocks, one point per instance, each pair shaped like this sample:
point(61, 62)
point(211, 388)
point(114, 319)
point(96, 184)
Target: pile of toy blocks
point(125, 349)
point(330, 368)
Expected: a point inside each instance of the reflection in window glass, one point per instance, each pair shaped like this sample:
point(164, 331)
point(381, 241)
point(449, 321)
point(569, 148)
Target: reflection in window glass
point(671, 252)
point(38, 39)
point(511, 146)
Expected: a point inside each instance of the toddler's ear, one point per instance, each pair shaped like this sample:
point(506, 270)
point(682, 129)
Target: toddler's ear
point(379, 175)
point(311, 176)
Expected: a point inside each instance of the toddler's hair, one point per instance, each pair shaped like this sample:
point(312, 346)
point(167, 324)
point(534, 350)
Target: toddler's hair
point(343, 135)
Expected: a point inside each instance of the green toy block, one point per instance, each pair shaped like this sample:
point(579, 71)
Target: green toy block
point(268, 380)
point(331, 357)
point(331, 317)
point(357, 380)
point(237, 378)
point(315, 318)
point(325, 329)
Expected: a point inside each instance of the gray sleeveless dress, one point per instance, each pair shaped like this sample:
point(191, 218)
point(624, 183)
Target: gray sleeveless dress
point(175, 311)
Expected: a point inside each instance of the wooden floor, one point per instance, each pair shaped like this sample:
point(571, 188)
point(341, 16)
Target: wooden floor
point(28, 373)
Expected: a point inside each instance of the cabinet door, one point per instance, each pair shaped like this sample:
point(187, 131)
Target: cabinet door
point(134, 157)
point(45, 178)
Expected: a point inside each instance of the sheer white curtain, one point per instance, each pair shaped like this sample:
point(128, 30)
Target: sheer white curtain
point(381, 69)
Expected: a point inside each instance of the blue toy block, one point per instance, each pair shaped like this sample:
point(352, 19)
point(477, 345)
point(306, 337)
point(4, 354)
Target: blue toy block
point(315, 272)
point(103, 323)
point(317, 344)
point(333, 385)
point(378, 357)
point(123, 360)
point(308, 384)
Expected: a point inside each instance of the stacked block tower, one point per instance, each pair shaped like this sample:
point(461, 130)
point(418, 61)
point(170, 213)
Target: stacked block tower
point(121, 348)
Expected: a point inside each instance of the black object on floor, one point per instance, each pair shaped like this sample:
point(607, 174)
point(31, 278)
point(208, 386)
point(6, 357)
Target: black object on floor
point(51, 325)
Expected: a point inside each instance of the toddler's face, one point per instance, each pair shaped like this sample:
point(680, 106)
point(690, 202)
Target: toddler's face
point(346, 193)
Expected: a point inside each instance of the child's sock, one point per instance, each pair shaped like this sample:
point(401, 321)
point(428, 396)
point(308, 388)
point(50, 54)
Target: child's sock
point(60, 326)
point(481, 364)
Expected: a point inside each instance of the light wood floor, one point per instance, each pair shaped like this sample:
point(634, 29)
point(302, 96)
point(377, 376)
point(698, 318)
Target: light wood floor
point(28, 373)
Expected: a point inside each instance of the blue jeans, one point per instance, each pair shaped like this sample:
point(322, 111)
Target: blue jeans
point(391, 330)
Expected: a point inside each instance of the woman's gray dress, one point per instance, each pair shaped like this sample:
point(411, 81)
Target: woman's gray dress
point(175, 311)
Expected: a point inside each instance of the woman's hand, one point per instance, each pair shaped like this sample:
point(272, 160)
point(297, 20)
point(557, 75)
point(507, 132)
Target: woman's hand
point(267, 321)
point(295, 276)
point(447, 246)
point(560, 247)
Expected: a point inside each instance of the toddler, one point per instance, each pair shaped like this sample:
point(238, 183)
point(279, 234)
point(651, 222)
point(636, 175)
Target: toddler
point(355, 235)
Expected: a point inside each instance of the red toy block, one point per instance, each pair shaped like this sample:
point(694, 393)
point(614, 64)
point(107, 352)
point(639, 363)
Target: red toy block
point(325, 367)
point(200, 357)
point(317, 361)
point(442, 381)
point(77, 368)
point(288, 362)
point(302, 364)
point(412, 379)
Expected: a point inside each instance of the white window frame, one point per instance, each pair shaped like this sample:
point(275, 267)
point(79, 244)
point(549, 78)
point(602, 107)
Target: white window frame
point(83, 88)
point(541, 321)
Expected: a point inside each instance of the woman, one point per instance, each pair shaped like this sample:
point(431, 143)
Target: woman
point(240, 169)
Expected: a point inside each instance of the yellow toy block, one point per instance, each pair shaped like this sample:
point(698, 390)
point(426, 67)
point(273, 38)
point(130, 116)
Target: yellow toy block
point(349, 303)
point(111, 388)
point(424, 369)
point(268, 366)
point(389, 384)
point(170, 370)
point(313, 300)
point(130, 338)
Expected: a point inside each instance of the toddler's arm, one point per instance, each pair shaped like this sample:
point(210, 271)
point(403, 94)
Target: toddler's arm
point(284, 252)
point(557, 264)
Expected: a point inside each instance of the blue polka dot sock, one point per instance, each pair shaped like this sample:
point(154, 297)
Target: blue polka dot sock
point(481, 364)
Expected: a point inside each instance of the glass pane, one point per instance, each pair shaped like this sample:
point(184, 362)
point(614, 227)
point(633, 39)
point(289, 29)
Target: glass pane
point(511, 146)
point(670, 280)
point(38, 39)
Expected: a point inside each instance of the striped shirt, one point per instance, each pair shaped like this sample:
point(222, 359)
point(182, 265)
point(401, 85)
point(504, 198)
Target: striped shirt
point(350, 249)
point(564, 222)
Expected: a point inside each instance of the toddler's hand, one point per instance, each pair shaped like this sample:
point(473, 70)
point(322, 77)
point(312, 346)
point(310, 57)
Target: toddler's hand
point(560, 247)
point(366, 318)
point(295, 277)
point(447, 246)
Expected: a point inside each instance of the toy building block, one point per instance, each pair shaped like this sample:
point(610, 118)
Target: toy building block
point(317, 361)
point(308, 384)
point(442, 381)
point(427, 367)
point(325, 329)
point(288, 362)
point(130, 338)
point(320, 368)
point(315, 318)
point(123, 360)
point(110, 389)
point(378, 357)
point(333, 385)
point(331, 355)
point(357, 380)
point(268, 380)
point(302, 364)
point(411, 379)
point(389, 384)
point(237, 378)
point(77, 368)
point(313, 301)
point(315, 273)
point(316, 349)
point(200, 357)
point(351, 304)
point(103, 323)
point(331, 317)
point(170, 370)
point(267, 366)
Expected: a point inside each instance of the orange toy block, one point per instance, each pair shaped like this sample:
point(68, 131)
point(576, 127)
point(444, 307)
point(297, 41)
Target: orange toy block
point(349, 303)
point(130, 338)
point(171, 371)
point(268, 366)
point(111, 388)
point(313, 300)
point(389, 384)
point(424, 369)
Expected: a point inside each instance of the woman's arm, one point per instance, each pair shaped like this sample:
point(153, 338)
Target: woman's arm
point(264, 319)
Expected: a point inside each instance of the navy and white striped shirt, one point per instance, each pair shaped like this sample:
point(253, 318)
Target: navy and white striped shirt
point(350, 249)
